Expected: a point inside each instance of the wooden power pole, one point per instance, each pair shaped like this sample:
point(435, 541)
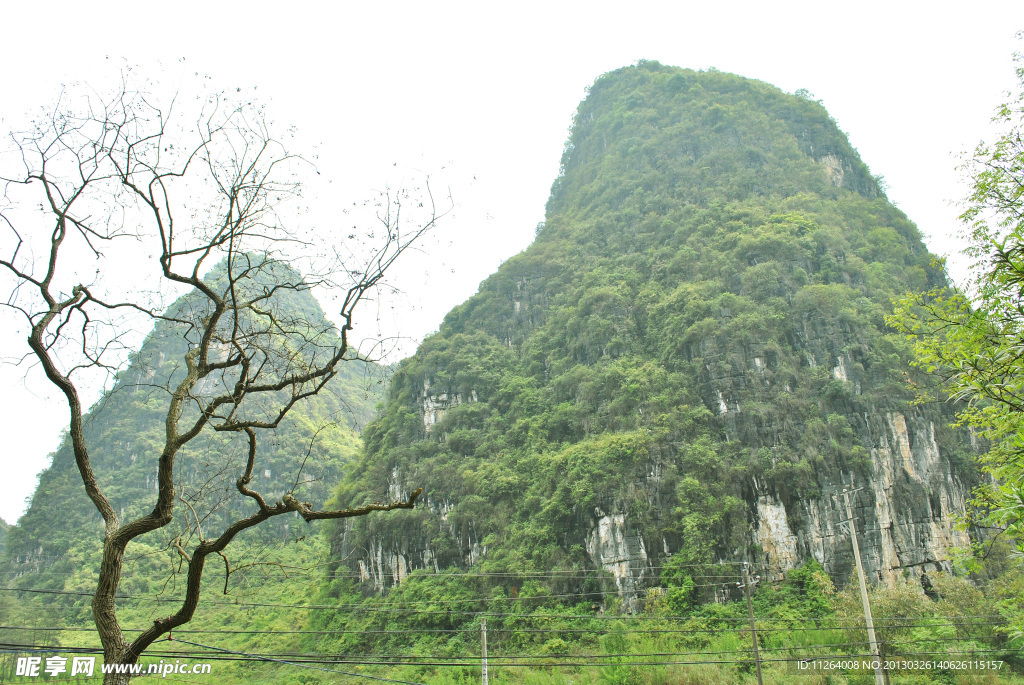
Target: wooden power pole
point(483, 647)
point(753, 627)
point(879, 678)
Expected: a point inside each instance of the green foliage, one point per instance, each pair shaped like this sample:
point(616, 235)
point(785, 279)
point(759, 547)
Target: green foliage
point(699, 321)
point(813, 588)
point(971, 339)
point(701, 315)
point(702, 309)
point(677, 576)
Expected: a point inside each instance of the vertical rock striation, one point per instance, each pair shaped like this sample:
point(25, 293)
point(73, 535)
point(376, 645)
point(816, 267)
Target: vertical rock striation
point(689, 364)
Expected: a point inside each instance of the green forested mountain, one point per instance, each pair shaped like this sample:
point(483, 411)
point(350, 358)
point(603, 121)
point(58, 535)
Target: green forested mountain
point(681, 374)
point(689, 363)
point(4, 527)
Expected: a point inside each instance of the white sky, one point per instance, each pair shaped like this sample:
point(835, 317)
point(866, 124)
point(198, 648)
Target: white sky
point(481, 95)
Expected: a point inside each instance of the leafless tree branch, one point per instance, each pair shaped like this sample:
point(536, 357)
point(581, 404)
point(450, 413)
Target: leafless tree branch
point(120, 168)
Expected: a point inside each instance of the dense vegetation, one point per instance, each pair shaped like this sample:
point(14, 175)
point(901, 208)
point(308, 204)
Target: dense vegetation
point(57, 544)
point(683, 309)
point(699, 326)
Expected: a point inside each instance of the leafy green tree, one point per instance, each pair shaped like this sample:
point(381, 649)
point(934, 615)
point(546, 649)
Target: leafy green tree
point(974, 339)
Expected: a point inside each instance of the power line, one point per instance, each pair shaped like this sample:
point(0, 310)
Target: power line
point(543, 660)
point(313, 660)
point(379, 659)
point(760, 629)
point(327, 670)
point(395, 605)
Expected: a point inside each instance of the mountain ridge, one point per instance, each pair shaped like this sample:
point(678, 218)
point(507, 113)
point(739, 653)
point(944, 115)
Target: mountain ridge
point(702, 309)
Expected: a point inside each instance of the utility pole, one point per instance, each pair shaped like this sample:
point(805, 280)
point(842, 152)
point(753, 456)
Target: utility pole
point(753, 628)
point(483, 638)
point(879, 678)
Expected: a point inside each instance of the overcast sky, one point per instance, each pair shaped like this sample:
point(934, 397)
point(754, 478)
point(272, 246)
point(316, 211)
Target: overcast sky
point(479, 96)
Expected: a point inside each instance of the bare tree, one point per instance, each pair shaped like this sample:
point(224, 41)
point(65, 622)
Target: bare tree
point(105, 173)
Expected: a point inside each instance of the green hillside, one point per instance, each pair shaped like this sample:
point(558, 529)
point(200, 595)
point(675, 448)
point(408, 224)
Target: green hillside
point(682, 373)
point(667, 391)
point(699, 324)
point(56, 546)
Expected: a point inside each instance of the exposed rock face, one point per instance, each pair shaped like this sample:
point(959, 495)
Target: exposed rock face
point(774, 536)
point(836, 168)
point(894, 539)
point(904, 517)
point(434, 406)
point(904, 513)
point(620, 552)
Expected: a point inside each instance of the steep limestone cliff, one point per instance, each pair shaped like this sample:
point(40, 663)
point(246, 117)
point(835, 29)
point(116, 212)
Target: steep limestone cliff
point(689, 363)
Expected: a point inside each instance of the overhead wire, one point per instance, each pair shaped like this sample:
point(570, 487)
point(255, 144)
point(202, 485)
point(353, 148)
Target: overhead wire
point(303, 665)
point(307, 661)
point(359, 658)
point(424, 574)
point(739, 628)
point(526, 660)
